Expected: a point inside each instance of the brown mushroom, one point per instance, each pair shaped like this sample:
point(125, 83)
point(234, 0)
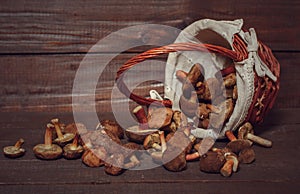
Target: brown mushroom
point(14, 151)
point(189, 106)
point(94, 157)
point(246, 156)
point(201, 148)
point(138, 135)
point(114, 164)
point(231, 164)
point(176, 164)
point(73, 150)
point(193, 76)
point(47, 151)
point(159, 117)
point(212, 162)
point(131, 154)
point(75, 128)
point(236, 145)
point(62, 139)
point(152, 141)
point(230, 80)
point(112, 126)
point(246, 132)
point(140, 114)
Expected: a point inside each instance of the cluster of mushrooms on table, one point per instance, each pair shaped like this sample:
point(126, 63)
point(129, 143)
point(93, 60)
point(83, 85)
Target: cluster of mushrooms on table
point(160, 133)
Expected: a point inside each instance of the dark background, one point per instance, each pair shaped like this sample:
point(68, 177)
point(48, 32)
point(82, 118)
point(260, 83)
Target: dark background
point(41, 46)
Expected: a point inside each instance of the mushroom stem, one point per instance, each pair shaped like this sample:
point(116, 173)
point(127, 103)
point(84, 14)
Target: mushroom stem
point(48, 135)
point(226, 170)
point(133, 162)
point(259, 140)
point(141, 116)
point(192, 156)
point(230, 135)
point(19, 143)
point(162, 141)
point(75, 142)
point(57, 128)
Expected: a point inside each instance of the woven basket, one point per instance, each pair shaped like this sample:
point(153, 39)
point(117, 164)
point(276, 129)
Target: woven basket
point(257, 70)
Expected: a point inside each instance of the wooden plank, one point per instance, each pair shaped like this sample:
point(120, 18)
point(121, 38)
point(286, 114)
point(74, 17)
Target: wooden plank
point(275, 169)
point(45, 82)
point(61, 27)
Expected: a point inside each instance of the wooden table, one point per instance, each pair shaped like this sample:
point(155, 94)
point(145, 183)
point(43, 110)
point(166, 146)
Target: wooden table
point(41, 47)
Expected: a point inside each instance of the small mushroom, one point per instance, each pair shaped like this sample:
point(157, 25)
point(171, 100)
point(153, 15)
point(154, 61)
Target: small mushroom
point(212, 162)
point(62, 139)
point(231, 164)
point(94, 157)
point(194, 75)
point(152, 141)
point(159, 117)
point(246, 156)
point(179, 119)
point(140, 114)
point(201, 148)
point(189, 106)
point(176, 164)
point(138, 135)
point(112, 126)
point(236, 145)
point(73, 150)
point(131, 154)
point(14, 151)
point(114, 164)
point(246, 132)
point(47, 151)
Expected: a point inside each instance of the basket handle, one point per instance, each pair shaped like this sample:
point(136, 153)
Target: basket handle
point(164, 50)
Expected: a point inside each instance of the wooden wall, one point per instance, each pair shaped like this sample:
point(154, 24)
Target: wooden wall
point(43, 42)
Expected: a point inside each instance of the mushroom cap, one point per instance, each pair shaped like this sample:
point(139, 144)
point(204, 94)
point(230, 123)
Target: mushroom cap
point(176, 164)
point(212, 162)
point(67, 138)
point(113, 164)
point(138, 135)
point(94, 157)
point(150, 140)
point(159, 117)
point(72, 152)
point(112, 126)
point(13, 152)
point(47, 152)
point(238, 145)
point(188, 108)
point(246, 156)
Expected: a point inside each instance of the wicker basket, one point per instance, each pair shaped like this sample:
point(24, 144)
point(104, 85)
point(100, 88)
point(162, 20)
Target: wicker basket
point(257, 70)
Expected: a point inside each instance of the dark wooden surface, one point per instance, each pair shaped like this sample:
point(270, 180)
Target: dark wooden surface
point(41, 46)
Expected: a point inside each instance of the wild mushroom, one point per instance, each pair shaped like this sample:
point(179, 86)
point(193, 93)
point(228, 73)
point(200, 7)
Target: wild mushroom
point(138, 135)
point(212, 162)
point(73, 150)
point(231, 164)
point(159, 117)
point(236, 145)
point(189, 106)
point(141, 117)
point(201, 148)
point(176, 164)
point(112, 126)
point(131, 154)
point(14, 151)
point(230, 80)
point(47, 151)
point(62, 139)
point(193, 76)
point(246, 156)
point(152, 141)
point(246, 132)
point(94, 157)
point(114, 164)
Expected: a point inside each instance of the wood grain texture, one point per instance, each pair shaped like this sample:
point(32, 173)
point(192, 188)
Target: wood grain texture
point(267, 174)
point(63, 27)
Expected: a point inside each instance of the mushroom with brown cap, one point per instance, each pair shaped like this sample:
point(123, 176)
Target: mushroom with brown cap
point(236, 145)
point(212, 162)
point(231, 164)
point(14, 151)
point(159, 117)
point(246, 132)
point(114, 164)
point(189, 106)
point(62, 139)
point(94, 157)
point(201, 148)
point(192, 77)
point(140, 114)
point(152, 141)
point(47, 151)
point(246, 156)
point(74, 128)
point(138, 135)
point(112, 126)
point(73, 150)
